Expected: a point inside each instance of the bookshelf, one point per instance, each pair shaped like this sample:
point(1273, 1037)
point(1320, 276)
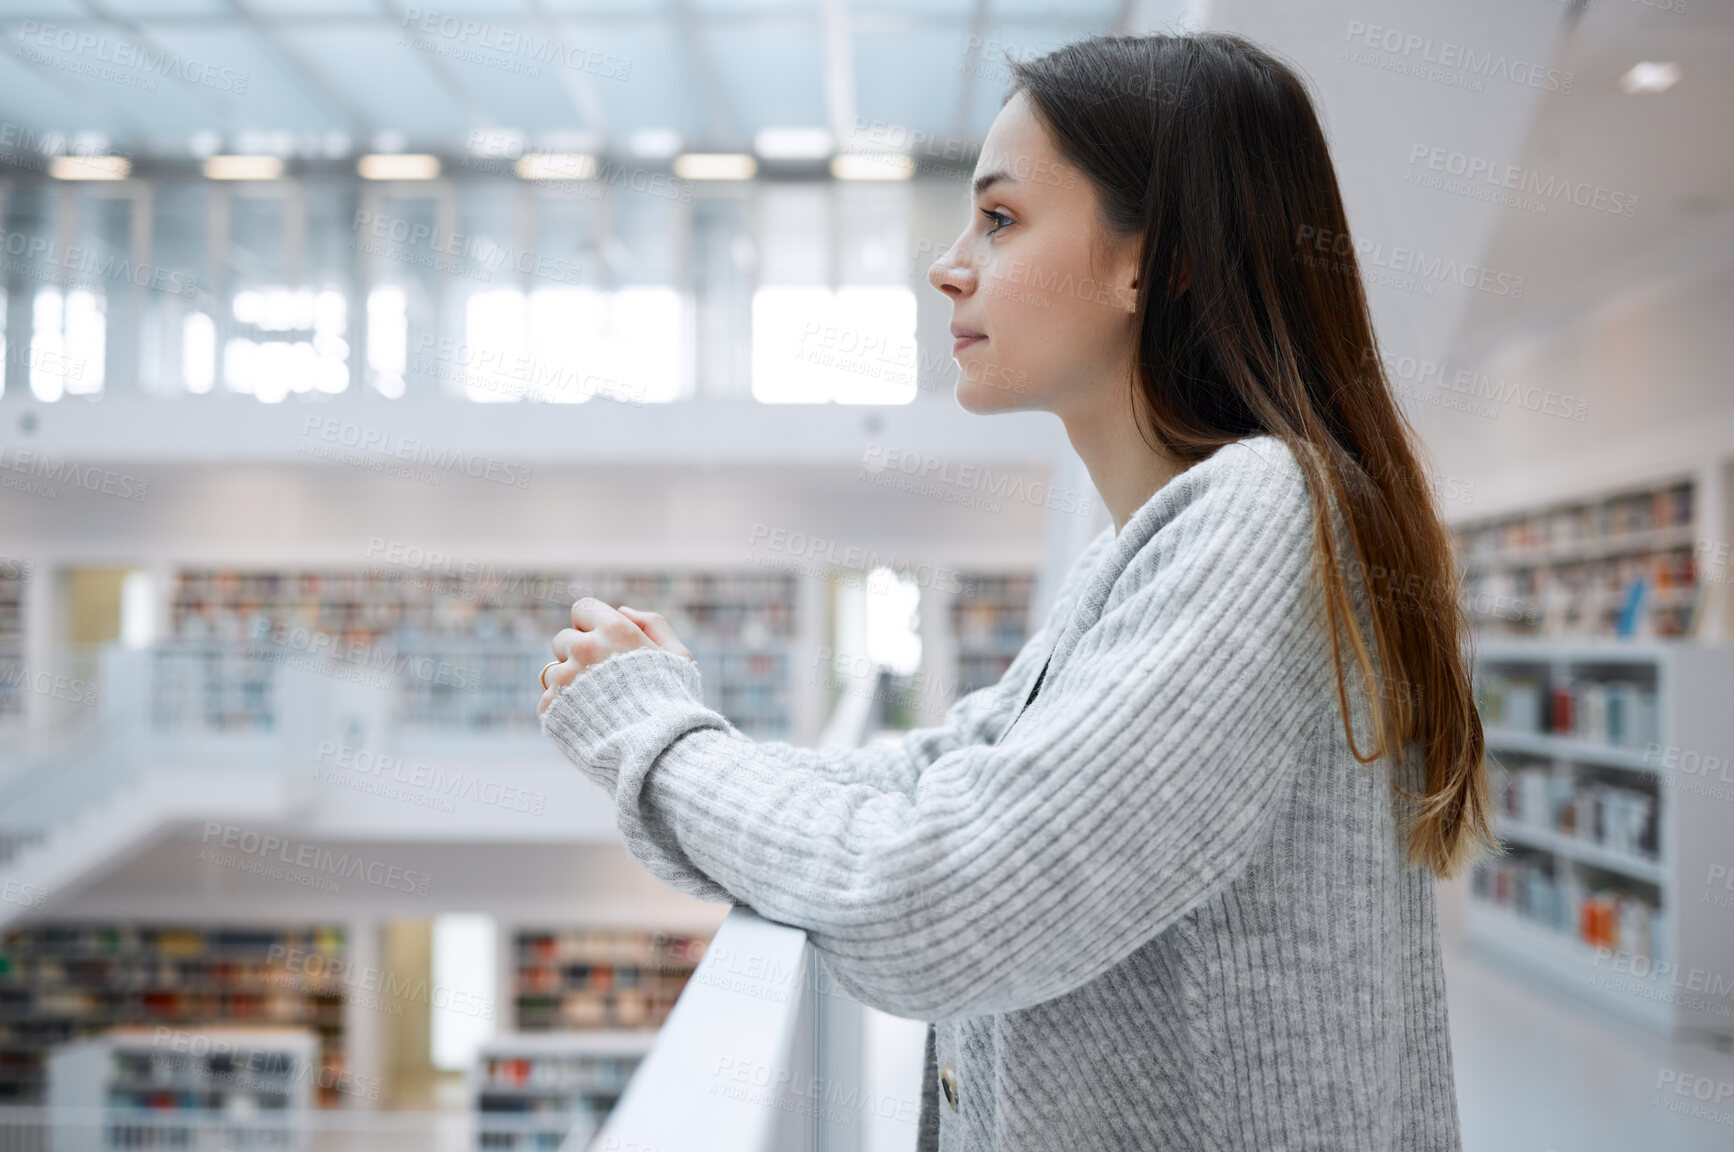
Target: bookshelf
point(64, 982)
point(1623, 563)
point(539, 1091)
point(483, 634)
point(250, 1087)
point(990, 623)
point(13, 575)
point(1614, 796)
point(571, 979)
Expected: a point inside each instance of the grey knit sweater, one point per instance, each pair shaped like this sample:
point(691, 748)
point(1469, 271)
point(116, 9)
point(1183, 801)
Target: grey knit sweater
point(1167, 910)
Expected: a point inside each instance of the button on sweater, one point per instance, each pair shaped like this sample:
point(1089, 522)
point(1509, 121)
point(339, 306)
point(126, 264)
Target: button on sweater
point(1165, 909)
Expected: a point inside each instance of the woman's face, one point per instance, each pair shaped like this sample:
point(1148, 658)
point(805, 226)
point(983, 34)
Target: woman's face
point(1042, 296)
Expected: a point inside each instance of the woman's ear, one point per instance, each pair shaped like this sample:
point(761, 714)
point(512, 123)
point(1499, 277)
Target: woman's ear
point(1180, 280)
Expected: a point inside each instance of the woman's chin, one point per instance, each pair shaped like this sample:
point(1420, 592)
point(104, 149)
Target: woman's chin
point(980, 396)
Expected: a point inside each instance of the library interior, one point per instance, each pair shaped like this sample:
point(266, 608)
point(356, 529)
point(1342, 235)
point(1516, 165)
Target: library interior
point(346, 346)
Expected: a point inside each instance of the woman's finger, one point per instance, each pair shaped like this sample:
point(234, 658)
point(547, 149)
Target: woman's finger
point(657, 628)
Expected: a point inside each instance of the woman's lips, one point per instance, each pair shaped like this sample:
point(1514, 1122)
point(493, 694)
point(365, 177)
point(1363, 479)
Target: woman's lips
point(963, 342)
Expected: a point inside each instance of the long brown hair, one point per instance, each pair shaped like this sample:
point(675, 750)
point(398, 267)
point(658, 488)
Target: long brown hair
point(1209, 148)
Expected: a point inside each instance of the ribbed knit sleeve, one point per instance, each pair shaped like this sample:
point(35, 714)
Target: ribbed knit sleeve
point(1138, 784)
point(975, 718)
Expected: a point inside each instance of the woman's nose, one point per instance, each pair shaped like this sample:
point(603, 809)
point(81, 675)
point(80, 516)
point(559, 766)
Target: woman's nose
point(950, 275)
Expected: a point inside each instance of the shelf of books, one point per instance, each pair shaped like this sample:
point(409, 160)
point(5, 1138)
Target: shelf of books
point(13, 574)
point(189, 1088)
point(1624, 564)
point(64, 982)
point(586, 978)
point(541, 1091)
point(990, 623)
point(466, 650)
point(1614, 796)
point(587, 1004)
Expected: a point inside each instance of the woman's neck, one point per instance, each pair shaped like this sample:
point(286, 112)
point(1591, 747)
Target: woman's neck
point(1122, 466)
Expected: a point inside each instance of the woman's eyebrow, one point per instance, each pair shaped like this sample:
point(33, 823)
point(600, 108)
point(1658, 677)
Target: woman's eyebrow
point(988, 179)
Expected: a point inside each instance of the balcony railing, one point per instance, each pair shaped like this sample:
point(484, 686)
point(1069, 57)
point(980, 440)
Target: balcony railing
point(761, 1053)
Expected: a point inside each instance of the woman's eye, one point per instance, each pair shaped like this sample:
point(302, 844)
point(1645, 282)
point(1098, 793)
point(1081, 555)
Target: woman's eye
point(1000, 219)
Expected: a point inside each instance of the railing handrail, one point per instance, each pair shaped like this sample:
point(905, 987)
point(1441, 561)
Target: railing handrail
point(734, 1065)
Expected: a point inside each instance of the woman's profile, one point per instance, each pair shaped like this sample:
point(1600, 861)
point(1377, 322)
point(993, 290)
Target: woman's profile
point(1169, 883)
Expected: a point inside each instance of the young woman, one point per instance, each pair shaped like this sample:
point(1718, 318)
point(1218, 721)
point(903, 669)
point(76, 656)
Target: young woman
point(1170, 883)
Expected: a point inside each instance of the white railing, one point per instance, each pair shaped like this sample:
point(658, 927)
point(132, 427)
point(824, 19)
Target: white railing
point(762, 1052)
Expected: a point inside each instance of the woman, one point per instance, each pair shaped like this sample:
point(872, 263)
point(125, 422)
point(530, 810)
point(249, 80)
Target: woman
point(1169, 883)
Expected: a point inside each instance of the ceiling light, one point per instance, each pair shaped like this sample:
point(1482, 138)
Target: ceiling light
point(872, 166)
point(556, 166)
point(715, 166)
point(90, 167)
point(243, 167)
point(1650, 76)
point(793, 143)
point(398, 166)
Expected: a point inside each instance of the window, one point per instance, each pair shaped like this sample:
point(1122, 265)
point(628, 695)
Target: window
point(833, 316)
point(68, 343)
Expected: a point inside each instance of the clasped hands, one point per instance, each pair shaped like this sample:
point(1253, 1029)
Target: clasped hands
point(599, 632)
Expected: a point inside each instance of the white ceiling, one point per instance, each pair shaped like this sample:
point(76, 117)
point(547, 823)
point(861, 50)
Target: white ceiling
point(714, 70)
point(1673, 151)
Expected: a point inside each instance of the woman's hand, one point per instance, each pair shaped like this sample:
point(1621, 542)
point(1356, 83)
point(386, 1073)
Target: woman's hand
point(599, 632)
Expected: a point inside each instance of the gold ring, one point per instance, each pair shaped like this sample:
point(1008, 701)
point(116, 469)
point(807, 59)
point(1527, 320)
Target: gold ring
point(545, 668)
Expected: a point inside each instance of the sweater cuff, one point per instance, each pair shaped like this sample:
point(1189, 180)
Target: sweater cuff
point(640, 697)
